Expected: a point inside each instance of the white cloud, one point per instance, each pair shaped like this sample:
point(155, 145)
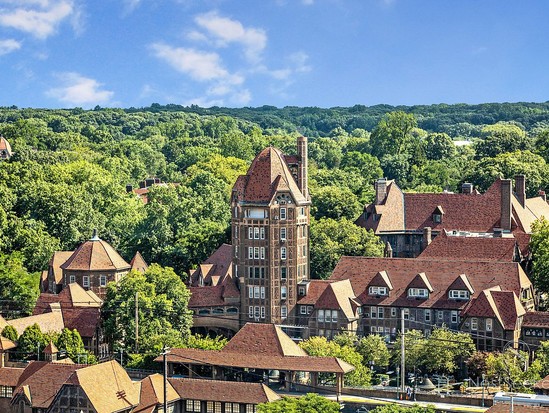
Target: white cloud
point(79, 90)
point(308, 2)
point(225, 30)
point(39, 18)
point(8, 46)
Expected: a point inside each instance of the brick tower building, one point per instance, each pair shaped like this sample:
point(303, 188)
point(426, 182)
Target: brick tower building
point(270, 234)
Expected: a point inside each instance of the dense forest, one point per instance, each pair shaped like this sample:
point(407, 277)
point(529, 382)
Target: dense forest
point(70, 169)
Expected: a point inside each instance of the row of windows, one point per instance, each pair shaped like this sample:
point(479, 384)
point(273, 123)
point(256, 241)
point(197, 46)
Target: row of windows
point(487, 326)
point(86, 280)
point(420, 292)
point(256, 292)
point(256, 253)
point(6, 391)
point(193, 406)
point(256, 272)
point(327, 316)
point(260, 213)
point(256, 311)
point(217, 310)
point(255, 232)
point(379, 312)
point(305, 309)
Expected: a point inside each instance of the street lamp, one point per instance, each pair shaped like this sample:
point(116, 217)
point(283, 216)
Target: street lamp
point(398, 382)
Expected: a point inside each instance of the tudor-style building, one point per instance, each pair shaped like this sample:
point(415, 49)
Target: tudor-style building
point(270, 234)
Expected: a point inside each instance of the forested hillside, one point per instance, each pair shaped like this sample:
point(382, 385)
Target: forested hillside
point(71, 167)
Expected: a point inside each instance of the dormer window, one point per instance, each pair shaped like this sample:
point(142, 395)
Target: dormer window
point(459, 294)
point(375, 290)
point(437, 215)
point(418, 292)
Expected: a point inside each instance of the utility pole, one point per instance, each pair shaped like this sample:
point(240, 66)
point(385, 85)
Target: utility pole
point(402, 355)
point(136, 322)
point(165, 360)
point(38, 352)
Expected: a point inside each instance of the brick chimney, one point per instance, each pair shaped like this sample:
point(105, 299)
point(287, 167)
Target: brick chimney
point(505, 205)
point(541, 193)
point(381, 190)
point(520, 189)
point(302, 178)
point(427, 238)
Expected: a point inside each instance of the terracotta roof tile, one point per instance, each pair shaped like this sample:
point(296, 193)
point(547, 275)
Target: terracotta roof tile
point(10, 376)
point(517, 408)
point(458, 247)
point(315, 290)
point(57, 260)
point(95, 255)
point(152, 393)
point(440, 273)
point(48, 322)
point(339, 296)
point(138, 263)
point(502, 305)
point(536, 319)
point(223, 391)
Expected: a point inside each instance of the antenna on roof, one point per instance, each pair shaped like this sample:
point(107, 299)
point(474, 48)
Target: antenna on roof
point(95, 237)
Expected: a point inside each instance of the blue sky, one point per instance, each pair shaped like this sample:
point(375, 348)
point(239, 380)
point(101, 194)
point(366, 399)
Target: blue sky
point(122, 53)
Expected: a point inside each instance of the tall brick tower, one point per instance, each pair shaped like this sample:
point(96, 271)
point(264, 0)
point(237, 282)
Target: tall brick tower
point(270, 234)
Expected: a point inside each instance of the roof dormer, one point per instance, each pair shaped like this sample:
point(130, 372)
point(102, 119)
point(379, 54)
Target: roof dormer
point(461, 288)
point(380, 284)
point(419, 287)
point(438, 213)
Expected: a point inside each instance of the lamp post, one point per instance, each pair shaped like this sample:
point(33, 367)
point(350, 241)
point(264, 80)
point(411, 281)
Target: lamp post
point(398, 382)
point(482, 384)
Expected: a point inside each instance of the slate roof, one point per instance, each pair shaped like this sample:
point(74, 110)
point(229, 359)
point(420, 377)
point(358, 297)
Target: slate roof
point(484, 248)
point(152, 393)
point(6, 344)
point(315, 290)
point(10, 376)
point(215, 268)
point(494, 303)
point(267, 174)
point(107, 386)
point(95, 255)
point(138, 263)
point(536, 319)
point(440, 273)
point(339, 295)
point(223, 391)
point(48, 322)
point(56, 261)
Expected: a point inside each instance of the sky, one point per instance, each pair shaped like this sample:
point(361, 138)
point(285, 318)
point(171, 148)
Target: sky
point(235, 53)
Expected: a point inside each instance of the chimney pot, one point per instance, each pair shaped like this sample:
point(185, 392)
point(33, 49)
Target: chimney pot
point(381, 190)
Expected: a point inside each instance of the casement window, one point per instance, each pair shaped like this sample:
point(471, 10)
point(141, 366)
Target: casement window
point(256, 232)
point(262, 253)
point(192, 406)
point(256, 253)
point(454, 317)
point(393, 312)
point(283, 253)
point(488, 324)
point(459, 294)
point(406, 313)
point(302, 211)
point(256, 291)
point(250, 253)
point(235, 212)
point(250, 291)
point(301, 291)
point(250, 232)
point(284, 311)
point(262, 293)
point(303, 309)
point(103, 280)
point(327, 316)
point(418, 292)
point(232, 407)
point(283, 233)
point(251, 311)
point(284, 275)
point(72, 279)
point(380, 312)
point(283, 292)
point(373, 312)
point(236, 232)
point(282, 213)
point(236, 251)
point(257, 312)
point(304, 250)
point(474, 323)
point(320, 316)
point(86, 281)
point(440, 315)
point(262, 232)
point(427, 315)
point(437, 218)
point(374, 290)
point(334, 316)
point(262, 311)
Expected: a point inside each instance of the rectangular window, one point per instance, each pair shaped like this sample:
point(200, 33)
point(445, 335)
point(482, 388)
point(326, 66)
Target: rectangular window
point(488, 324)
point(103, 280)
point(380, 312)
point(284, 275)
point(303, 309)
point(283, 292)
point(304, 250)
point(302, 211)
point(334, 316)
point(262, 253)
point(263, 293)
point(86, 281)
point(373, 312)
point(428, 315)
point(393, 312)
point(250, 291)
point(251, 311)
point(474, 323)
point(284, 311)
point(250, 233)
point(262, 272)
point(283, 253)
point(256, 253)
point(454, 317)
point(262, 232)
point(328, 315)
point(440, 315)
point(236, 232)
point(282, 213)
point(262, 311)
point(320, 316)
point(301, 290)
point(72, 279)
point(256, 272)
point(256, 291)
point(250, 253)
point(283, 233)
point(235, 212)
point(250, 408)
point(256, 232)
point(236, 251)
point(418, 292)
point(257, 312)
point(459, 294)
point(406, 313)
point(192, 406)
point(373, 290)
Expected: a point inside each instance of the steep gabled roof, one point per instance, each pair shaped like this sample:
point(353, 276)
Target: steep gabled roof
point(381, 279)
point(48, 322)
point(462, 283)
point(267, 174)
point(138, 263)
point(494, 303)
point(56, 261)
point(315, 290)
point(5, 145)
point(6, 344)
point(10, 376)
point(458, 247)
point(440, 273)
point(421, 281)
point(339, 296)
point(223, 391)
point(264, 339)
point(95, 255)
point(152, 393)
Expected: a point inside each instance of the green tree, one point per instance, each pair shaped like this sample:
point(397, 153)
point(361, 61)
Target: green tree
point(310, 403)
point(501, 138)
point(374, 350)
point(321, 347)
point(205, 342)
point(18, 288)
point(542, 354)
point(445, 348)
point(331, 239)
point(476, 364)
point(511, 369)
point(162, 300)
point(439, 146)
point(10, 333)
point(72, 343)
point(396, 408)
point(393, 134)
point(539, 245)
point(414, 350)
point(335, 202)
point(31, 342)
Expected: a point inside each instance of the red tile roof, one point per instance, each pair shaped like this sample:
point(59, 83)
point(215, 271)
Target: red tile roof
point(536, 319)
point(440, 273)
point(223, 391)
point(484, 248)
point(10, 376)
point(517, 408)
point(152, 394)
point(267, 174)
point(5, 145)
point(138, 263)
point(316, 288)
point(95, 255)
